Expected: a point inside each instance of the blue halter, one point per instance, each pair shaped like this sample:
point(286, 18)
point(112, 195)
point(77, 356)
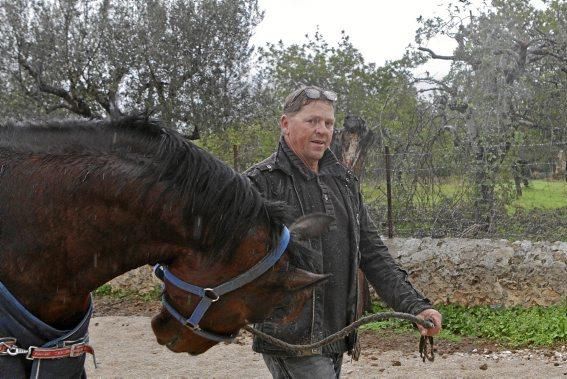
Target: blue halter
point(211, 295)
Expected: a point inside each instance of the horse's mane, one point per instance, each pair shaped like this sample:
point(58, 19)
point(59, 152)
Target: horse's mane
point(228, 205)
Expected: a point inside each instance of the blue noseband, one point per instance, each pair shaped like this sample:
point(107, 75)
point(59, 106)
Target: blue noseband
point(211, 295)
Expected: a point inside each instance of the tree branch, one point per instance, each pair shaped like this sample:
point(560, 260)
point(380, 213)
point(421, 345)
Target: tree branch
point(75, 105)
point(442, 85)
point(437, 56)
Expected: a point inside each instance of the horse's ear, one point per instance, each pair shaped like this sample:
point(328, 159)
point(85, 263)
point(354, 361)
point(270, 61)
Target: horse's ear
point(310, 226)
point(297, 279)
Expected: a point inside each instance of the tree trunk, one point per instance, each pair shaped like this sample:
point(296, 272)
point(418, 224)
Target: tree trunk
point(561, 166)
point(351, 145)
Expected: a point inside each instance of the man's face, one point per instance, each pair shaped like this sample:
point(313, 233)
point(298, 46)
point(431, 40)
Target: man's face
point(309, 132)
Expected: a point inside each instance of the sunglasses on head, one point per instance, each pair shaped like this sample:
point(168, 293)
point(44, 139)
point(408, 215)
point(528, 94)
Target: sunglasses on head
point(316, 94)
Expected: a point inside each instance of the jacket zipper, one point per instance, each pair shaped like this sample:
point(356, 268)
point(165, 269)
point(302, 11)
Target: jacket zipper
point(313, 291)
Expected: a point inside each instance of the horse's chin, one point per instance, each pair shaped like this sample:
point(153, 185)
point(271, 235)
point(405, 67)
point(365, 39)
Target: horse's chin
point(177, 344)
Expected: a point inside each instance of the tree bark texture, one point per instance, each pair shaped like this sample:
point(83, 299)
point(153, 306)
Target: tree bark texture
point(350, 145)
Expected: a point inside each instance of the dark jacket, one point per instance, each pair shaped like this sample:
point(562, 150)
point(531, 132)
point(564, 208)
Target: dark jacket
point(283, 177)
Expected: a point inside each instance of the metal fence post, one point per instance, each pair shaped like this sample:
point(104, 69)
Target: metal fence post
point(389, 191)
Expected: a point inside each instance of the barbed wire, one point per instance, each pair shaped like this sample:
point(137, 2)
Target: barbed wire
point(460, 148)
point(435, 169)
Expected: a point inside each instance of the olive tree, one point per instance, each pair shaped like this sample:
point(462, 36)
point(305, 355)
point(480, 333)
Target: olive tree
point(509, 57)
point(185, 61)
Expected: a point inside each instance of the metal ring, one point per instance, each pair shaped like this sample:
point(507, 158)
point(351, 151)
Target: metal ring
point(210, 294)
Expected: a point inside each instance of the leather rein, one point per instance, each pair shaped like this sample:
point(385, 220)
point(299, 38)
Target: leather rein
point(211, 295)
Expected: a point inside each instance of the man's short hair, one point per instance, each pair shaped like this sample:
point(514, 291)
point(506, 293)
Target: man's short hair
point(305, 95)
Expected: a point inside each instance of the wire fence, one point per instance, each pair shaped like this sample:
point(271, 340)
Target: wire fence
point(455, 192)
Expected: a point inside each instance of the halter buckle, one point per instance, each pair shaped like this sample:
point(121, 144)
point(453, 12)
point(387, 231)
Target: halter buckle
point(30, 352)
point(192, 326)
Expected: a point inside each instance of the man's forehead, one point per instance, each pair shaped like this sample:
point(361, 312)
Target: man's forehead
point(318, 106)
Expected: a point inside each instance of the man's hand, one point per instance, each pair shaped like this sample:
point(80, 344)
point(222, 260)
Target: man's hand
point(435, 317)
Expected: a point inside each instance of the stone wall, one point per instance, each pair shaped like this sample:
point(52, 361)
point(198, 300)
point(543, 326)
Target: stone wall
point(462, 271)
point(488, 272)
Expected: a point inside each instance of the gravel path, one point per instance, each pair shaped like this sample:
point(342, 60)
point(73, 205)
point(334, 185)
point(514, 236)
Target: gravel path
point(125, 348)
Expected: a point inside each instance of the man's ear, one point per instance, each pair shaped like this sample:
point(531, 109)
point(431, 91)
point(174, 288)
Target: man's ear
point(284, 124)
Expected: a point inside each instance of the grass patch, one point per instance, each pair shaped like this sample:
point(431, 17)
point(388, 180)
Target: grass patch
point(543, 194)
point(107, 291)
point(540, 194)
point(513, 327)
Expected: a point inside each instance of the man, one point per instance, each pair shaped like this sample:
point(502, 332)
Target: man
point(305, 173)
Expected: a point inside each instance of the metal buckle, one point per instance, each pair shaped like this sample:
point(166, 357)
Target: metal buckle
point(72, 351)
point(30, 352)
point(191, 326)
point(14, 350)
point(7, 343)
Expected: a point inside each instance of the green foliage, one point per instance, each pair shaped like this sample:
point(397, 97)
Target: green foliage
point(502, 92)
point(106, 290)
point(533, 224)
point(446, 210)
point(184, 61)
point(382, 96)
point(253, 143)
point(514, 327)
point(540, 326)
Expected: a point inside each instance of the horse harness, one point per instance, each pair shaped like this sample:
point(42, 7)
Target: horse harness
point(29, 345)
point(211, 295)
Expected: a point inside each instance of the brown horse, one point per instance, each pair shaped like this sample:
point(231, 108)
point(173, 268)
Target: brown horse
point(82, 202)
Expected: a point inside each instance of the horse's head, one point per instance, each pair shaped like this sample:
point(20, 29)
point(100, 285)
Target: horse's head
point(193, 324)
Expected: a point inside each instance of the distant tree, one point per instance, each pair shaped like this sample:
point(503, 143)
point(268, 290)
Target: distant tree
point(185, 60)
point(510, 60)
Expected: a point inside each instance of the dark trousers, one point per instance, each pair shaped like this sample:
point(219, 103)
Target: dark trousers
point(308, 367)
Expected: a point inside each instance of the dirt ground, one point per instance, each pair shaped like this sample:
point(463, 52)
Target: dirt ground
point(125, 347)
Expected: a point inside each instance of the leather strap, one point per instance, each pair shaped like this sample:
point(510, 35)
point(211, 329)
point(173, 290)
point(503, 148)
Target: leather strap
point(59, 352)
point(8, 347)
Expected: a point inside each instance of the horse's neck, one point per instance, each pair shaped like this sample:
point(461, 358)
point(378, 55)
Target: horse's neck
point(52, 276)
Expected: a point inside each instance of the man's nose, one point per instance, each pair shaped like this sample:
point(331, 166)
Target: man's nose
point(320, 128)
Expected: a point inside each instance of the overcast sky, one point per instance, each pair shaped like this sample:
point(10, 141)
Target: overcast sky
point(379, 29)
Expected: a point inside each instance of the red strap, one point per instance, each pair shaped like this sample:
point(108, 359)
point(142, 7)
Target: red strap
point(60, 352)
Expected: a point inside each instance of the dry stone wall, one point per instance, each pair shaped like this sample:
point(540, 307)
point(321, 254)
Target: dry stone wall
point(460, 271)
point(485, 272)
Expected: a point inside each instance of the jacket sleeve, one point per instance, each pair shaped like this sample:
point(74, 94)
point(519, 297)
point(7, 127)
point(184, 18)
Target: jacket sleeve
point(388, 279)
